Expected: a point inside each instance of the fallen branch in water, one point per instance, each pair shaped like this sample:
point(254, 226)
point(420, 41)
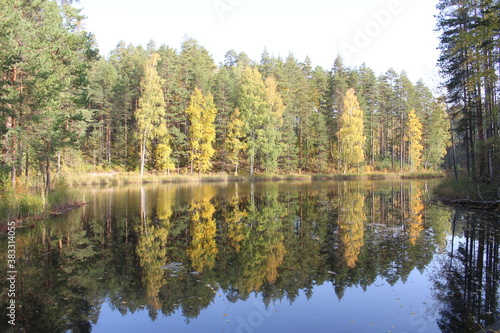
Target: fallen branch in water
point(476, 204)
point(66, 208)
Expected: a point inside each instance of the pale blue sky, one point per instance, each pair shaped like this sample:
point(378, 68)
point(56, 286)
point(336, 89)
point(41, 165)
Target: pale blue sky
point(381, 33)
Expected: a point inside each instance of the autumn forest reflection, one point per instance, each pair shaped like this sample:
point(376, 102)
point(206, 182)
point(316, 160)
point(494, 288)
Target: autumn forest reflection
point(175, 248)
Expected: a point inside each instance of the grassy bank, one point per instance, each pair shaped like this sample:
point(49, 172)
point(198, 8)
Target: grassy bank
point(32, 203)
point(450, 189)
point(121, 178)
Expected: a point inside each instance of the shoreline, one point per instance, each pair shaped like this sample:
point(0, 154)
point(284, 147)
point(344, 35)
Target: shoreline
point(90, 179)
point(63, 203)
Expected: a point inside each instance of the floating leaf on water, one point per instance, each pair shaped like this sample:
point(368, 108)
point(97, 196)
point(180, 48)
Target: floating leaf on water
point(225, 314)
point(413, 313)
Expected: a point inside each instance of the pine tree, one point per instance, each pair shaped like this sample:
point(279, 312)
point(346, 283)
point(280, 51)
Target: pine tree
point(197, 65)
point(323, 149)
point(45, 57)
point(436, 137)
point(129, 63)
point(351, 133)
point(369, 91)
point(225, 101)
point(387, 120)
point(271, 134)
point(150, 118)
point(103, 78)
point(177, 96)
point(339, 87)
point(469, 62)
point(202, 113)
point(415, 140)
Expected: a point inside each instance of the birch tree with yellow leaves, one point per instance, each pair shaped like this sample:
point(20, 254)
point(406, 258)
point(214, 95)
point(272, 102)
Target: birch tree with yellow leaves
point(150, 116)
point(201, 112)
point(351, 138)
point(235, 143)
point(415, 148)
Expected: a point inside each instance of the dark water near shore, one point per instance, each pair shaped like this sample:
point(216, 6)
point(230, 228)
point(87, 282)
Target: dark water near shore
point(350, 256)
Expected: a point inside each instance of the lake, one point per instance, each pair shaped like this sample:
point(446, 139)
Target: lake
point(329, 256)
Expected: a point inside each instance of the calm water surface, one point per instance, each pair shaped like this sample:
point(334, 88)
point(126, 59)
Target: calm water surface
point(263, 257)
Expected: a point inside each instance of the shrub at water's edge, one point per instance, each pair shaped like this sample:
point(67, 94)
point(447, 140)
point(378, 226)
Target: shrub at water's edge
point(466, 189)
point(31, 202)
point(469, 193)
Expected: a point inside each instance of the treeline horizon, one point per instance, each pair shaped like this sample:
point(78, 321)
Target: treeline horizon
point(64, 107)
point(297, 131)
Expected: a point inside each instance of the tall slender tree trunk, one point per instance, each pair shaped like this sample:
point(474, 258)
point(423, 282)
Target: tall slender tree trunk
point(13, 176)
point(125, 138)
point(480, 134)
point(11, 123)
point(108, 141)
point(467, 153)
point(143, 153)
point(251, 164)
point(26, 167)
point(454, 154)
point(47, 176)
point(472, 148)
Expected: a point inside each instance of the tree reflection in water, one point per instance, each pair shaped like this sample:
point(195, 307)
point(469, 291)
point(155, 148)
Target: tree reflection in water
point(466, 286)
point(174, 249)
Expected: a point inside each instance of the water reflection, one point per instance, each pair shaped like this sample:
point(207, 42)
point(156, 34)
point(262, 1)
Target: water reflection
point(466, 286)
point(176, 248)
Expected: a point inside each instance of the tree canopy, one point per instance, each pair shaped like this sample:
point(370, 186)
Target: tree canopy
point(158, 108)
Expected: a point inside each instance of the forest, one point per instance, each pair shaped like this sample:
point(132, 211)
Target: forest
point(66, 108)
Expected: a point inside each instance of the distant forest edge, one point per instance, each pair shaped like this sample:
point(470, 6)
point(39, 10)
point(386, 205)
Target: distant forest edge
point(64, 108)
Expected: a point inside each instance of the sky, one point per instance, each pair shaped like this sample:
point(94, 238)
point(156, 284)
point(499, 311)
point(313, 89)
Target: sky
point(383, 34)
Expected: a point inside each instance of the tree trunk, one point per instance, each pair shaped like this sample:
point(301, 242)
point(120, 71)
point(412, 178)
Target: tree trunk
point(454, 156)
point(47, 175)
point(13, 176)
point(108, 142)
point(143, 154)
point(26, 170)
